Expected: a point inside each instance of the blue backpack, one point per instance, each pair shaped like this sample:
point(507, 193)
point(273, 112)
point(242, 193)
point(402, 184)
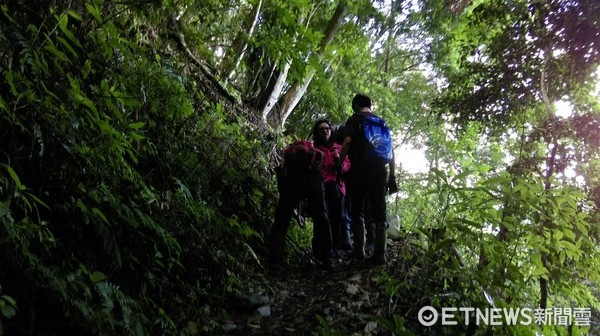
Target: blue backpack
point(379, 139)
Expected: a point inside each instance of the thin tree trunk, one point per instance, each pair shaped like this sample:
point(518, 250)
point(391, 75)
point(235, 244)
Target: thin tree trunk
point(291, 98)
point(274, 94)
point(550, 161)
point(388, 49)
point(240, 49)
point(289, 101)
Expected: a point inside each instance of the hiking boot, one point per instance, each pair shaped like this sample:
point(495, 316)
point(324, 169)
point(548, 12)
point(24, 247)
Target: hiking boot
point(358, 250)
point(380, 246)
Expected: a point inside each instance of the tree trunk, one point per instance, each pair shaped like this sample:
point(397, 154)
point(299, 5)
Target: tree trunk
point(240, 46)
point(291, 98)
point(288, 102)
point(550, 162)
point(276, 91)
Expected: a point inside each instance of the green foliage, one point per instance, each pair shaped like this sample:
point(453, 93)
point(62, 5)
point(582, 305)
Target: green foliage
point(121, 186)
point(134, 196)
point(325, 329)
point(8, 309)
point(484, 225)
point(301, 235)
point(395, 326)
point(499, 55)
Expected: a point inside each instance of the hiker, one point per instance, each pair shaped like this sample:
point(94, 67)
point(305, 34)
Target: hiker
point(338, 138)
point(335, 188)
point(368, 218)
point(368, 177)
point(300, 177)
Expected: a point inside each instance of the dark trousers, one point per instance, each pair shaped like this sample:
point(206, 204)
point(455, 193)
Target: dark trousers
point(347, 202)
point(368, 182)
point(293, 187)
point(335, 210)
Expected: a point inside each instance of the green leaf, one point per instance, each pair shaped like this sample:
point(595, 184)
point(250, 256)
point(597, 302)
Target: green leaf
point(136, 136)
point(461, 175)
point(98, 276)
point(99, 213)
point(137, 125)
point(67, 45)
point(3, 105)
point(74, 15)
point(470, 222)
point(62, 24)
point(8, 306)
point(567, 245)
point(9, 311)
point(9, 299)
point(439, 174)
point(50, 47)
point(582, 226)
point(15, 177)
point(569, 234)
point(94, 11)
point(496, 180)
point(389, 325)
point(558, 235)
point(562, 256)
point(444, 244)
point(37, 200)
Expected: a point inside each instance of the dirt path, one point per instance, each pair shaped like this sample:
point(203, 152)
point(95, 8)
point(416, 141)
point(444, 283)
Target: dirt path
point(309, 300)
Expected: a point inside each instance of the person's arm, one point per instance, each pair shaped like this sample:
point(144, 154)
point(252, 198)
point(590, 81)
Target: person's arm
point(392, 187)
point(344, 151)
point(393, 164)
point(346, 165)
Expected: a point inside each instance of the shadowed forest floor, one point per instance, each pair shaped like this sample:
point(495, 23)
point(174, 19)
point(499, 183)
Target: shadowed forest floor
point(309, 300)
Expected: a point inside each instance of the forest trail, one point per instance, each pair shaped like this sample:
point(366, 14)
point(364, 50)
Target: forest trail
point(346, 299)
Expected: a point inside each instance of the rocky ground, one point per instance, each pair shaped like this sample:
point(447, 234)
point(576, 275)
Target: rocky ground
point(358, 299)
point(353, 299)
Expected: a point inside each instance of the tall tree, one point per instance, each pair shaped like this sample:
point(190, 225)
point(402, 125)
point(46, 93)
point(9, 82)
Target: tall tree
point(507, 63)
point(290, 99)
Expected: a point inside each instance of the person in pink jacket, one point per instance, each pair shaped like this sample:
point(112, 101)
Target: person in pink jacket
point(335, 189)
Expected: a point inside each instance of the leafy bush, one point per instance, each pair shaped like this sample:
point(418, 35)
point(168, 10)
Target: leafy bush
point(125, 194)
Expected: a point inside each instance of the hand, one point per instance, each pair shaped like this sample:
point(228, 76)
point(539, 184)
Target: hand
point(336, 155)
point(392, 187)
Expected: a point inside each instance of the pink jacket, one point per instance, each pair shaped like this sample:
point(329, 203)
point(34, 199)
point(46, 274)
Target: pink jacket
point(328, 167)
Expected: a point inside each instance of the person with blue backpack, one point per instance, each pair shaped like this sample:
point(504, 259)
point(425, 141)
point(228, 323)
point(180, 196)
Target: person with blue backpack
point(368, 144)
